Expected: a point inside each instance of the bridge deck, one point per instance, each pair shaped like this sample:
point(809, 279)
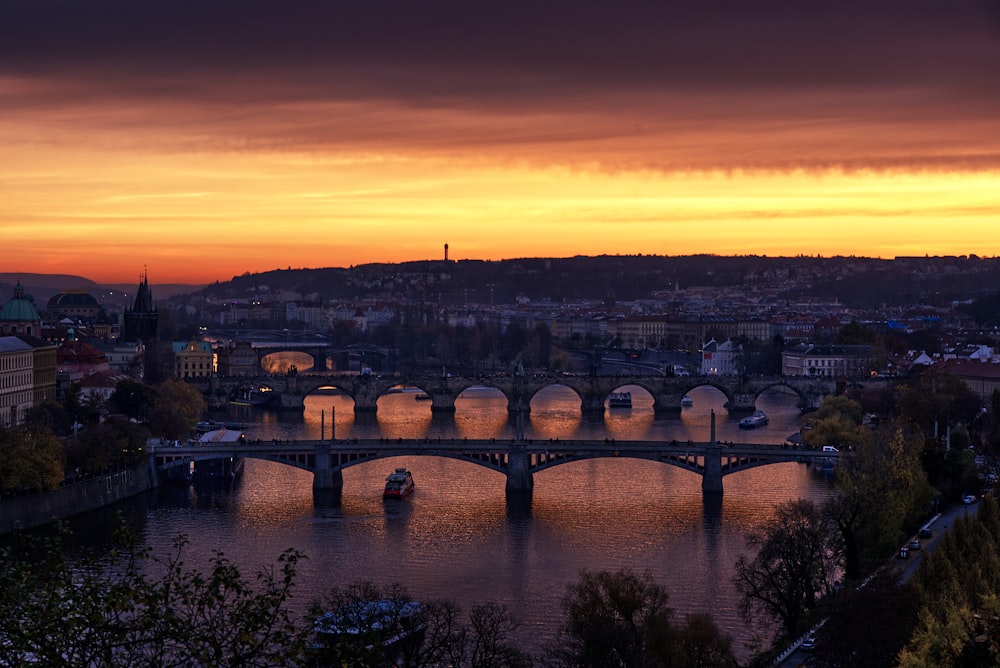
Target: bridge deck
point(387, 447)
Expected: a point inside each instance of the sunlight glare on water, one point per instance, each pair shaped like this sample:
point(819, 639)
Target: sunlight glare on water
point(456, 537)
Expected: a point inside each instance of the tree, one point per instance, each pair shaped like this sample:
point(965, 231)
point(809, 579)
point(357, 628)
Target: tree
point(114, 443)
point(854, 333)
point(935, 401)
point(838, 422)
point(869, 625)
point(620, 619)
point(990, 428)
point(107, 611)
point(134, 400)
point(881, 488)
point(178, 408)
point(31, 458)
point(959, 589)
point(797, 558)
point(492, 625)
point(51, 415)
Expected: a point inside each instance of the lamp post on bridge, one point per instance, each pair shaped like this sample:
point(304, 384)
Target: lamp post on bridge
point(333, 424)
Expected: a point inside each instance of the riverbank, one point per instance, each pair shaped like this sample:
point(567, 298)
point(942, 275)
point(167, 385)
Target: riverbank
point(34, 510)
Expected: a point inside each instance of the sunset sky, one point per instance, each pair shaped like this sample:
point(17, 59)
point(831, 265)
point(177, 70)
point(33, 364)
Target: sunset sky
point(204, 139)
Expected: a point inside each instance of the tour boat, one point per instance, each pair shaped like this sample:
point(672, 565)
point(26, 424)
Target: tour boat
point(687, 401)
point(398, 484)
point(758, 419)
point(620, 400)
point(389, 622)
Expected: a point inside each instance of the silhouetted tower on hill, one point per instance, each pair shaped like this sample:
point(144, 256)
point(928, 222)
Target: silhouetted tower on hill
point(446, 252)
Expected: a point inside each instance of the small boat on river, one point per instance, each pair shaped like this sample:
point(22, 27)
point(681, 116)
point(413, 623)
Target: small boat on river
point(758, 419)
point(620, 400)
point(687, 401)
point(398, 484)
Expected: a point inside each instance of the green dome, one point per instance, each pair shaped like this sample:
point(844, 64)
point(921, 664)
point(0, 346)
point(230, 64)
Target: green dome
point(20, 308)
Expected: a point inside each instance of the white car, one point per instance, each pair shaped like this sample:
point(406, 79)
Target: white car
point(969, 499)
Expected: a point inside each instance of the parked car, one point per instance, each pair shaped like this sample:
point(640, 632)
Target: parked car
point(968, 499)
point(808, 644)
point(914, 544)
point(926, 533)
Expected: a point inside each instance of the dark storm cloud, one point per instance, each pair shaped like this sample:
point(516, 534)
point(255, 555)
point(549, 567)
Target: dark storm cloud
point(498, 50)
point(533, 72)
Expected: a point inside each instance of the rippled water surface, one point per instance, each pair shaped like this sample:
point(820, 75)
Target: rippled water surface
point(455, 537)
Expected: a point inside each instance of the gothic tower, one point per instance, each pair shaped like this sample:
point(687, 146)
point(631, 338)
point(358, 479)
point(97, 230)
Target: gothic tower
point(141, 320)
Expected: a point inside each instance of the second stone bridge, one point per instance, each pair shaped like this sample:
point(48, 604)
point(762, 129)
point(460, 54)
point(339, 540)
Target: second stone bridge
point(741, 392)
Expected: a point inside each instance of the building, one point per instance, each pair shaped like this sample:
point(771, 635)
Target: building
point(982, 376)
point(78, 305)
point(16, 380)
point(76, 360)
point(19, 316)
point(721, 359)
point(123, 356)
point(838, 361)
point(194, 359)
point(101, 384)
point(44, 364)
point(237, 358)
point(141, 321)
point(669, 333)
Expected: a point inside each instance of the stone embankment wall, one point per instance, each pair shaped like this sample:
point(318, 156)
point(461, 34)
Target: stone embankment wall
point(24, 512)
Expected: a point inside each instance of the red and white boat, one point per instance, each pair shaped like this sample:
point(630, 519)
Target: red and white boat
point(398, 484)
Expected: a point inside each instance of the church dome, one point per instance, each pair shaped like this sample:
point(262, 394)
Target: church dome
point(20, 308)
point(73, 299)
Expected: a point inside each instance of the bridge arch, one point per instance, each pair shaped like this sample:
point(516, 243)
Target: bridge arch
point(304, 360)
point(803, 400)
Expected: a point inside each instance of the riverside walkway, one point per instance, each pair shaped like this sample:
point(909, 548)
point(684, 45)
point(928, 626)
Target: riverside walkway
point(519, 459)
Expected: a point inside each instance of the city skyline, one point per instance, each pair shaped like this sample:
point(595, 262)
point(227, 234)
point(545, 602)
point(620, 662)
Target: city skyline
point(206, 140)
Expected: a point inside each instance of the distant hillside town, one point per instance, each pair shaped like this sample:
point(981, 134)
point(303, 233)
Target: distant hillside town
point(696, 315)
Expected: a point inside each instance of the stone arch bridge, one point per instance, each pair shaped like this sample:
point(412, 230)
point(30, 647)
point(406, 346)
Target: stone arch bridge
point(741, 392)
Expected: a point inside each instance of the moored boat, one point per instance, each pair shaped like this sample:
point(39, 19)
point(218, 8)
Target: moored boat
point(391, 623)
point(398, 484)
point(758, 419)
point(620, 400)
point(687, 401)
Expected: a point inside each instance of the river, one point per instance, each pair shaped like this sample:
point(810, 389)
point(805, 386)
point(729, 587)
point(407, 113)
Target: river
point(456, 538)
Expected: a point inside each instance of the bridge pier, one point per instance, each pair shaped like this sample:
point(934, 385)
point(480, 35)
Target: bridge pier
point(520, 480)
point(442, 403)
point(592, 405)
point(325, 478)
point(742, 402)
point(667, 403)
point(711, 479)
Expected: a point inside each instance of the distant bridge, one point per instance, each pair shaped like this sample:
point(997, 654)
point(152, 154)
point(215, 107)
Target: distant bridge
point(741, 392)
point(519, 459)
point(320, 351)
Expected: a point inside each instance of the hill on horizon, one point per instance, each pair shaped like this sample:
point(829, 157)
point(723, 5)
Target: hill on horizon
point(43, 286)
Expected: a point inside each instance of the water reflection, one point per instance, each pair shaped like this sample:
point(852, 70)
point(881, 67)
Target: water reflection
point(458, 536)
